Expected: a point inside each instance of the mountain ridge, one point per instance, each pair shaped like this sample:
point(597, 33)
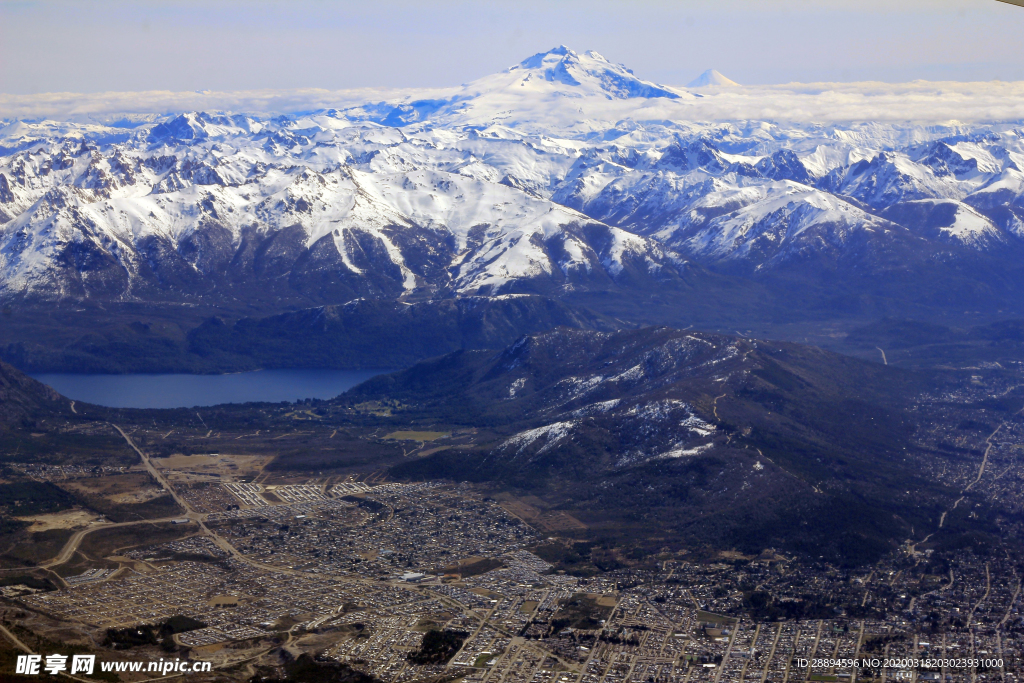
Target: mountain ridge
point(586, 420)
point(485, 194)
point(23, 399)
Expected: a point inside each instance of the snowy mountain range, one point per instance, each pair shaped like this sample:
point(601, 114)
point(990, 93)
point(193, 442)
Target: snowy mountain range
point(563, 173)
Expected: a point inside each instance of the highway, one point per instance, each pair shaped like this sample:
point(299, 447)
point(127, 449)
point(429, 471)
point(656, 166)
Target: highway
point(155, 472)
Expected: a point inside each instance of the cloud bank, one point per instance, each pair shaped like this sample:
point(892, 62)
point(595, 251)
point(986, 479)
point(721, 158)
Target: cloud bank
point(107, 107)
point(920, 102)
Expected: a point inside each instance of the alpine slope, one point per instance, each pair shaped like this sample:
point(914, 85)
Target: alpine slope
point(563, 173)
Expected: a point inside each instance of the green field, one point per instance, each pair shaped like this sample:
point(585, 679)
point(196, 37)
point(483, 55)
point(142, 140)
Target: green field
point(485, 657)
point(581, 611)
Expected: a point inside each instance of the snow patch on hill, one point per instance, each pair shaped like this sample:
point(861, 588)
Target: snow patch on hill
point(550, 434)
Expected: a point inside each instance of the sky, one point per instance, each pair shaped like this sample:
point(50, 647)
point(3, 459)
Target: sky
point(223, 45)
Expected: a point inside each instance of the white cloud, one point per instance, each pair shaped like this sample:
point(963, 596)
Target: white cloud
point(918, 101)
point(113, 106)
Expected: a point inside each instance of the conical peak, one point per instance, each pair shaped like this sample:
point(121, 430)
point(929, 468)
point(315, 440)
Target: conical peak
point(710, 77)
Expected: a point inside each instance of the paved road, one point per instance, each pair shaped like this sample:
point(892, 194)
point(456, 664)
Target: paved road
point(981, 472)
point(191, 514)
point(14, 639)
point(200, 519)
point(156, 473)
point(75, 541)
point(72, 544)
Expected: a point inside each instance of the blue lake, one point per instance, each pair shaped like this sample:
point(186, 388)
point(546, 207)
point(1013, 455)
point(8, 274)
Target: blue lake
point(186, 391)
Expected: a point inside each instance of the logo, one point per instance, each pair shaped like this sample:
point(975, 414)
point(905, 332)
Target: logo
point(30, 664)
point(35, 665)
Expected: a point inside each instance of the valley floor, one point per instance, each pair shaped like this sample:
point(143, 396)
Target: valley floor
point(353, 569)
point(216, 536)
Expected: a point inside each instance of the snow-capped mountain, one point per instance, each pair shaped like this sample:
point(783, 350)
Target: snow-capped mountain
point(950, 221)
point(558, 90)
point(339, 212)
point(710, 77)
point(765, 209)
point(888, 178)
point(565, 171)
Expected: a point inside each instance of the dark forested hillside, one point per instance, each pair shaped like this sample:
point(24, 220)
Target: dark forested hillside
point(23, 398)
point(703, 437)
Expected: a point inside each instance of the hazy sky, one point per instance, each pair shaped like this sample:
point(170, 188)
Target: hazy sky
point(102, 45)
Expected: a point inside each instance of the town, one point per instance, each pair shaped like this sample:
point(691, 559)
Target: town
point(359, 574)
point(247, 567)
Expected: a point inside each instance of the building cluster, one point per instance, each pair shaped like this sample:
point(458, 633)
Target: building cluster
point(394, 530)
point(361, 575)
point(46, 472)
